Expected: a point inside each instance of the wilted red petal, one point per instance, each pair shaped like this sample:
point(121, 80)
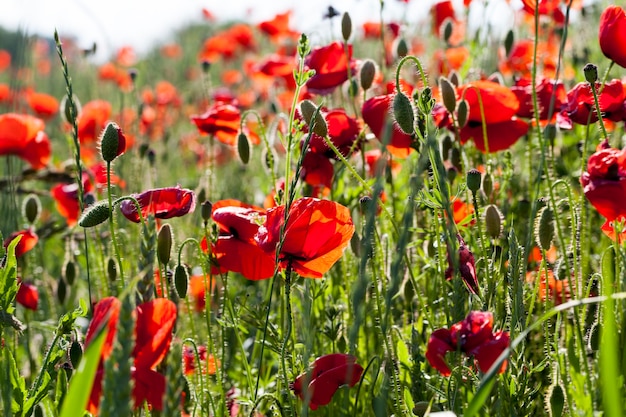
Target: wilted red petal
point(162, 203)
point(105, 313)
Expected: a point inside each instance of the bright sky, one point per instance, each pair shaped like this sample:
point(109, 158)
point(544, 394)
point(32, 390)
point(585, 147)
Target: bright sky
point(141, 23)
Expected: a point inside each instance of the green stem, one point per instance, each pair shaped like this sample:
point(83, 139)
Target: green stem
point(283, 350)
point(37, 383)
point(112, 227)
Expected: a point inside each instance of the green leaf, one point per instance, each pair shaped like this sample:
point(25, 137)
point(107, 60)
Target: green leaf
point(80, 385)
point(8, 278)
point(480, 397)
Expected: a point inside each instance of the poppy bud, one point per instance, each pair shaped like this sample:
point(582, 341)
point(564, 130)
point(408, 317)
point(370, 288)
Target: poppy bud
point(557, 401)
point(611, 29)
point(206, 66)
point(308, 109)
point(508, 41)
point(132, 73)
point(95, 215)
point(591, 73)
point(403, 113)
point(455, 158)
point(367, 74)
point(181, 280)
point(544, 228)
point(243, 148)
point(31, 208)
point(453, 77)
point(446, 145)
point(69, 272)
point(111, 269)
point(448, 26)
point(61, 290)
point(447, 94)
point(402, 49)
point(66, 109)
point(493, 221)
point(346, 26)
point(112, 142)
point(488, 185)
point(549, 132)
point(473, 180)
point(164, 244)
point(76, 353)
point(462, 113)
point(205, 210)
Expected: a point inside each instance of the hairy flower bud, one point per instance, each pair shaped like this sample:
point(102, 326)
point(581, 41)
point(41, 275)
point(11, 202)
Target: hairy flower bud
point(31, 207)
point(544, 228)
point(243, 148)
point(461, 113)
point(448, 94)
point(308, 109)
point(181, 280)
point(403, 113)
point(164, 244)
point(346, 26)
point(367, 74)
point(112, 142)
point(493, 221)
point(95, 215)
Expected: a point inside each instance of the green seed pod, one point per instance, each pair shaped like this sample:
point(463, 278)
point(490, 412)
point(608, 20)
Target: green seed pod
point(308, 110)
point(243, 148)
point(111, 269)
point(164, 244)
point(205, 209)
point(473, 180)
point(181, 280)
point(402, 48)
point(75, 353)
point(591, 73)
point(31, 207)
point(461, 113)
point(493, 221)
point(69, 272)
point(508, 42)
point(557, 401)
point(346, 26)
point(367, 74)
point(403, 113)
point(544, 228)
point(112, 142)
point(447, 94)
point(61, 290)
point(95, 215)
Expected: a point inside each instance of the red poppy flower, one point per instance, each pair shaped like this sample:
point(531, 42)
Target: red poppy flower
point(546, 89)
point(317, 170)
point(580, 104)
point(153, 335)
point(546, 8)
point(44, 105)
point(467, 267)
point(162, 203)
point(441, 11)
point(377, 114)
point(611, 33)
point(604, 182)
point(22, 135)
point(278, 26)
point(343, 131)
point(331, 67)
point(278, 66)
point(223, 121)
point(327, 374)
point(209, 362)
point(5, 59)
point(238, 224)
point(66, 199)
point(27, 295)
point(316, 234)
point(472, 336)
point(27, 242)
point(92, 119)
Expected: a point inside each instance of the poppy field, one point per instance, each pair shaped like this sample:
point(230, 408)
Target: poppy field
point(388, 218)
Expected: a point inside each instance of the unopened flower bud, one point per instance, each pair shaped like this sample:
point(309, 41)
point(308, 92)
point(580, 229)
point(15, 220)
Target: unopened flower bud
point(181, 280)
point(61, 290)
point(164, 244)
point(488, 185)
point(308, 110)
point(111, 269)
point(205, 210)
point(403, 113)
point(402, 48)
point(95, 215)
point(66, 109)
point(473, 180)
point(112, 142)
point(461, 113)
point(544, 228)
point(243, 147)
point(448, 94)
point(69, 272)
point(448, 27)
point(446, 145)
point(75, 353)
point(31, 207)
point(557, 401)
point(367, 74)
point(453, 77)
point(493, 221)
point(591, 73)
point(346, 26)
point(508, 42)
point(206, 66)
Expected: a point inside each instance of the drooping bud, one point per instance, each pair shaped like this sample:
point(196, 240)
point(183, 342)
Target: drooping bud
point(205, 210)
point(446, 145)
point(591, 73)
point(474, 178)
point(243, 148)
point(31, 207)
point(69, 272)
point(402, 48)
point(95, 215)
point(448, 27)
point(448, 94)
point(181, 280)
point(493, 221)
point(508, 41)
point(112, 142)
point(308, 109)
point(454, 78)
point(557, 401)
point(61, 290)
point(206, 66)
point(367, 74)
point(403, 113)
point(544, 228)
point(346, 26)
point(75, 353)
point(164, 244)
point(461, 113)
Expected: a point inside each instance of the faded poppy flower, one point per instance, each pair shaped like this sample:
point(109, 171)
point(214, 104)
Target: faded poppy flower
point(92, 119)
point(316, 234)
point(580, 107)
point(162, 203)
point(604, 182)
point(377, 115)
point(153, 335)
point(612, 27)
point(472, 336)
point(331, 67)
point(27, 295)
point(44, 105)
point(467, 267)
point(27, 241)
point(22, 135)
point(327, 374)
point(238, 224)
